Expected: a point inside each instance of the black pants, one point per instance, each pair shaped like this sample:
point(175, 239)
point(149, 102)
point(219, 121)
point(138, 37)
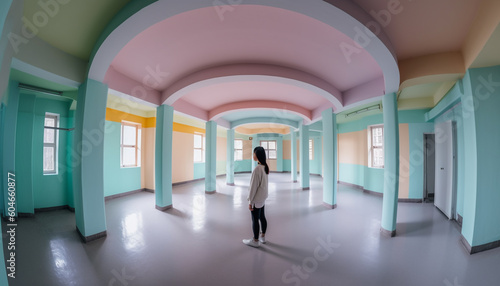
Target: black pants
point(258, 215)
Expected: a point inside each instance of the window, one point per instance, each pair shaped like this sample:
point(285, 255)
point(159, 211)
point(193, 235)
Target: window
point(130, 144)
point(311, 149)
point(270, 147)
point(199, 148)
point(50, 138)
point(376, 144)
point(238, 149)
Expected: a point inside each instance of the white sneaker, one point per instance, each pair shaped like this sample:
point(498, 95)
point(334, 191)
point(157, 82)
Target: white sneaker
point(251, 242)
point(262, 239)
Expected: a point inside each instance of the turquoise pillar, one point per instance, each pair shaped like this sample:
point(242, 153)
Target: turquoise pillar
point(279, 157)
point(163, 157)
point(88, 160)
point(330, 158)
point(255, 143)
point(9, 139)
point(69, 144)
point(230, 158)
point(391, 165)
point(304, 156)
point(293, 155)
point(210, 157)
point(11, 13)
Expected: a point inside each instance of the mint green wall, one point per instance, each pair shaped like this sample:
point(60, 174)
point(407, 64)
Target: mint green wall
point(372, 178)
point(315, 165)
point(38, 190)
point(198, 171)
point(50, 190)
point(117, 180)
point(199, 168)
point(287, 165)
point(243, 166)
point(24, 154)
point(485, 89)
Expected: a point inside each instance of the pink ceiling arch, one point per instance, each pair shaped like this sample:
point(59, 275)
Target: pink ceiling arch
point(220, 111)
point(175, 50)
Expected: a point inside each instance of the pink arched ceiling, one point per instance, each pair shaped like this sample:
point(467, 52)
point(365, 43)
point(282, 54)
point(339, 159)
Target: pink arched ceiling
point(192, 57)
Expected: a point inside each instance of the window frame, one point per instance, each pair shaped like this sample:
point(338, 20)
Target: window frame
point(202, 147)
point(237, 149)
point(137, 146)
point(372, 147)
point(267, 149)
point(54, 145)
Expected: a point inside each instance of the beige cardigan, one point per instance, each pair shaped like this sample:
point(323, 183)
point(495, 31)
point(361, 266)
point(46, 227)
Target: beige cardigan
point(258, 187)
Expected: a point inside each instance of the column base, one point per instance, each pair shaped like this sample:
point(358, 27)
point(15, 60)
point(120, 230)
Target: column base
point(295, 181)
point(387, 233)
point(163, 208)
point(330, 206)
point(90, 238)
point(230, 184)
point(209, 192)
point(306, 189)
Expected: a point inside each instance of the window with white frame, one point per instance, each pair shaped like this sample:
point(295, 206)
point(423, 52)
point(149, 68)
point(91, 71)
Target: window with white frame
point(199, 148)
point(311, 149)
point(238, 149)
point(50, 146)
point(130, 145)
point(270, 147)
point(376, 145)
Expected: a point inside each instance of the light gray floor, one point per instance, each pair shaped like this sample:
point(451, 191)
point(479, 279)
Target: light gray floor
point(199, 242)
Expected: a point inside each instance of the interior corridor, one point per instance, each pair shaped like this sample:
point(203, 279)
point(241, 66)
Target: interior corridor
point(198, 242)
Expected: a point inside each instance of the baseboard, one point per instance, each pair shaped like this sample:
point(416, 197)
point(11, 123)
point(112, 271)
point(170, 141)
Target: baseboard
point(210, 192)
point(148, 190)
point(42, 210)
point(187, 182)
point(373, 193)
point(306, 189)
point(122, 194)
point(350, 185)
point(163, 208)
point(387, 233)
point(459, 220)
point(410, 200)
point(330, 206)
point(243, 172)
point(90, 238)
point(478, 248)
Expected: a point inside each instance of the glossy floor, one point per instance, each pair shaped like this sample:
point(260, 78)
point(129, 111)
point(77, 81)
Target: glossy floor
point(199, 242)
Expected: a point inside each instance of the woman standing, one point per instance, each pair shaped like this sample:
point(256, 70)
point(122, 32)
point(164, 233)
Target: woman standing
point(257, 197)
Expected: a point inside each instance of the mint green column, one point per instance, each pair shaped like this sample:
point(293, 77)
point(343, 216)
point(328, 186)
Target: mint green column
point(255, 143)
point(69, 170)
point(11, 13)
point(230, 158)
point(293, 155)
point(304, 156)
point(210, 157)
point(163, 157)
point(391, 165)
point(88, 160)
point(279, 157)
point(330, 158)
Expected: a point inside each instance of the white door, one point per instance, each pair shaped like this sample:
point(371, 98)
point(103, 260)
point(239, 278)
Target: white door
point(444, 189)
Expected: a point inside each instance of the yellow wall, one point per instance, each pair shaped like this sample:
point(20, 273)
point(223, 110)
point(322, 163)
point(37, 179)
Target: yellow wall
point(353, 148)
point(287, 149)
point(182, 157)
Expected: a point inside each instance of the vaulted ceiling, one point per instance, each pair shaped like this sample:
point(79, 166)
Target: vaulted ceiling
point(280, 60)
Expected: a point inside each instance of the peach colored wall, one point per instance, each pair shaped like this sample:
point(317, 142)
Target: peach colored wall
point(404, 161)
point(353, 148)
point(182, 157)
point(287, 149)
point(148, 158)
point(221, 148)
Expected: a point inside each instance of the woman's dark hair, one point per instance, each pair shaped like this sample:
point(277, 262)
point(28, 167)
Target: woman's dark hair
point(260, 153)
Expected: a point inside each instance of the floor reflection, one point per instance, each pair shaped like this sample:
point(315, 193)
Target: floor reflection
point(62, 268)
point(133, 238)
point(199, 216)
